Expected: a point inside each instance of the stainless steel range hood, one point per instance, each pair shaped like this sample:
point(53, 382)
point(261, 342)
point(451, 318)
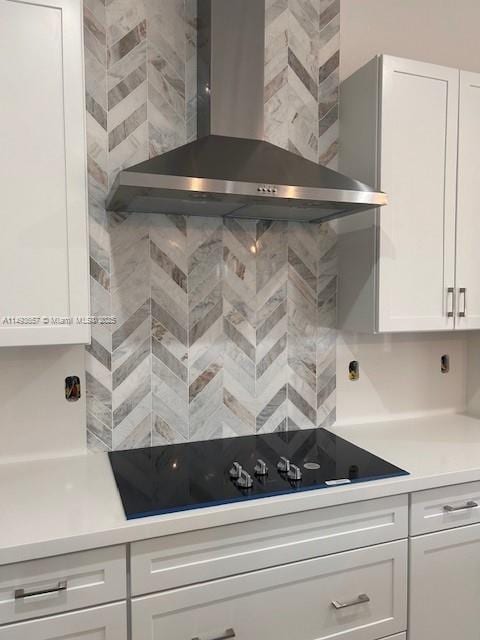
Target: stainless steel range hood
point(230, 171)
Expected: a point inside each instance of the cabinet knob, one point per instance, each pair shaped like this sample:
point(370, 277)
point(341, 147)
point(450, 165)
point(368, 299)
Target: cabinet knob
point(261, 468)
point(244, 480)
point(236, 470)
point(283, 465)
point(294, 473)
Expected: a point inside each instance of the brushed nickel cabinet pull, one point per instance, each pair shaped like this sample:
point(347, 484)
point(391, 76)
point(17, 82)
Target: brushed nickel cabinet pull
point(229, 633)
point(450, 302)
point(469, 505)
point(21, 593)
point(362, 598)
point(462, 294)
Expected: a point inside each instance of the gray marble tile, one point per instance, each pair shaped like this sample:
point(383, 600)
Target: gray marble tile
point(127, 43)
point(101, 431)
point(277, 314)
point(126, 86)
point(131, 363)
point(276, 401)
point(166, 356)
point(99, 274)
point(129, 404)
point(127, 127)
point(160, 313)
point(100, 353)
point(307, 80)
point(137, 436)
point(128, 327)
point(162, 433)
point(198, 385)
point(271, 356)
point(238, 338)
point(95, 444)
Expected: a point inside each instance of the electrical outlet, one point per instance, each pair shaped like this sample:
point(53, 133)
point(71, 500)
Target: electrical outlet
point(354, 370)
point(72, 388)
point(445, 363)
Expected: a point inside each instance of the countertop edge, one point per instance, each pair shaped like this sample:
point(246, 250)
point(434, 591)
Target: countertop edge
point(196, 519)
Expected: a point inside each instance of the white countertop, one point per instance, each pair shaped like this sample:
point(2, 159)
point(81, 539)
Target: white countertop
point(62, 505)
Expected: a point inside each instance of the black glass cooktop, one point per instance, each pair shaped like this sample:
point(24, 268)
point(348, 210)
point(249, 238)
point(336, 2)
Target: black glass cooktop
point(170, 478)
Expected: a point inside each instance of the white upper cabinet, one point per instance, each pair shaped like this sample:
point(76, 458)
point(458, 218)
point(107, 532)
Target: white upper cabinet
point(468, 214)
point(43, 240)
point(417, 169)
point(406, 267)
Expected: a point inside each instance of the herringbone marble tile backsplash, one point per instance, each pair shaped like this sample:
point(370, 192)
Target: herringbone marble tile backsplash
point(223, 327)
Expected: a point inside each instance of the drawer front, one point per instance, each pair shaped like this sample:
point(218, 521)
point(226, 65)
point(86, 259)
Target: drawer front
point(68, 582)
point(444, 508)
point(201, 556)
point(359, 595)
point(102, 623)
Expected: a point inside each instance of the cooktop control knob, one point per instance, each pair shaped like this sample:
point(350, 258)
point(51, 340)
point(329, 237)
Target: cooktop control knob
point(283, 465)
point(236, 470)
point(294, 473)
point(261, 468)
point(244, 480)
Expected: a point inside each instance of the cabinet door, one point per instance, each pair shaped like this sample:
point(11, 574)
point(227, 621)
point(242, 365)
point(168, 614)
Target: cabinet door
point(418, 150)
point(468, 218)
point(101, 623)
point(43, 240)
point(359, 595)
point(444, 589)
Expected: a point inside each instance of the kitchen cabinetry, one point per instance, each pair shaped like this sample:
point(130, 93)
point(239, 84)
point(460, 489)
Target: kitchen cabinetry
point(43, 245)
point(359, 594)
point(55, 585)
point(102, 623)
point(410, 128)
point(468, 220)
point(444, 591)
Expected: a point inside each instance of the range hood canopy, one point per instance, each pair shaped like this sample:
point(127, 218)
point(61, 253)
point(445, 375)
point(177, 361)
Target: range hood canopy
point(230, 171)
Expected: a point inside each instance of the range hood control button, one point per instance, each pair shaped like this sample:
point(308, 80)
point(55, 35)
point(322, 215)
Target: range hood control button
point(236, 470)
point(283, 465)
point(261, 468)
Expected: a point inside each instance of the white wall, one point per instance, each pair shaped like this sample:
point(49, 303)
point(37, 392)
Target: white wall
point(35, 419)
point(400, 374)
point(473, 374)
point(439, 31)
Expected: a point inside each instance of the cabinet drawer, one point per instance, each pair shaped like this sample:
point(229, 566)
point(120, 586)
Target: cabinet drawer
point(102, 623)
point(68, 582)
point(444, 508)
point(359, 595)
point(200, 556)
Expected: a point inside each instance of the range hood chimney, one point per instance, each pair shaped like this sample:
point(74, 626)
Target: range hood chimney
point(230, 170)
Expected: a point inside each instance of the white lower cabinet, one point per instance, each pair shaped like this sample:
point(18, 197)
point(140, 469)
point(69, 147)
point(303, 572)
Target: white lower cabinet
point(101, 623)
point(48, 586)
point(359, 595)
point(444, 589)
